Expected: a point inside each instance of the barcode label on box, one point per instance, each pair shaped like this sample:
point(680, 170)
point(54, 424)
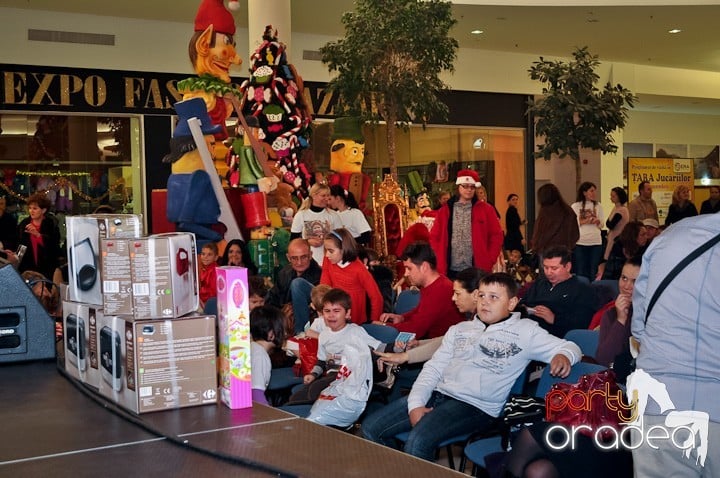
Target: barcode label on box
point(141, 288)
point(111, 286)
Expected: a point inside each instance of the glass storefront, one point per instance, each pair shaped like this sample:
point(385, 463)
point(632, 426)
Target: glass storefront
point(436, 152)
point(81, 162)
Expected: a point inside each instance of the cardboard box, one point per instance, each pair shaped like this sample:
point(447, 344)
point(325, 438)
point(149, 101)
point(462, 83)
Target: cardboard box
point(164, 275)
point(80, 341)
point(158, 364)
point(234, 336)
point(83, 250)
point(116, 276)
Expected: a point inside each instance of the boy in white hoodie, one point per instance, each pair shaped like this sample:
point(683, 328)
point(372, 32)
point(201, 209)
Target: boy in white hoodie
point(463, 387)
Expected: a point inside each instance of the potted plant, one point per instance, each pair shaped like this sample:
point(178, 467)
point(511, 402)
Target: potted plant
point(389, 62)
point(573, 113)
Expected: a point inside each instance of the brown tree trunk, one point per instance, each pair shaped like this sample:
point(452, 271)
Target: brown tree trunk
point(390, 120)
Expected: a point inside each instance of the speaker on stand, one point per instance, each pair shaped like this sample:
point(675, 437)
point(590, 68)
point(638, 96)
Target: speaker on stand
point(27, 332)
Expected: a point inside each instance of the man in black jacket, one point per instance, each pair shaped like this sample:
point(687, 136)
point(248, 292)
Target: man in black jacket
point(559, 301)
point(291, 291)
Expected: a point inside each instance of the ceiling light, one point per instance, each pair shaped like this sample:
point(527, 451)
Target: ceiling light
point(477, 32)
point(674, 30)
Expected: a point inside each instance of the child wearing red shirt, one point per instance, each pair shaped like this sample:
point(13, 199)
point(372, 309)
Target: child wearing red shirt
point(208, 276)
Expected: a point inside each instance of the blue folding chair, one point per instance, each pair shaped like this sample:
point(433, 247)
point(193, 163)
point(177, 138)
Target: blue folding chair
point(211, 307)
point(406, 301)
point(577, 371)
point(447, 444)
point(586, 339)
point(282, 381)
point(384, 333)
point(604, 291)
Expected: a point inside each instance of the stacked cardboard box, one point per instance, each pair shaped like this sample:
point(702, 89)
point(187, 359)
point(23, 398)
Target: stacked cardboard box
point(140, 341)
point(156, 364)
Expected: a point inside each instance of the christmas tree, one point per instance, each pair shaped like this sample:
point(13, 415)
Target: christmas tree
point(274, 95)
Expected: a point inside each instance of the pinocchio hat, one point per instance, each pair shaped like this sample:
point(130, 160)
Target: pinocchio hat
point(193, 108)
point(468, 176)
point(213, 12)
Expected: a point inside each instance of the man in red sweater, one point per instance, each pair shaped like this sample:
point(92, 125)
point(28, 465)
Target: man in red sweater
point(435, 312)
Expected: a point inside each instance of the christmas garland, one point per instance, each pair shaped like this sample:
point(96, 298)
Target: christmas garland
point(61, 183)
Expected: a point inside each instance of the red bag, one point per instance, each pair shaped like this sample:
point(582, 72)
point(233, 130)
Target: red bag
point(308, 348)
point(576, 404)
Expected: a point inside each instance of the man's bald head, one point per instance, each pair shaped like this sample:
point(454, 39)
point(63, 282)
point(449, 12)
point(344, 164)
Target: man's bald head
point(299, 255)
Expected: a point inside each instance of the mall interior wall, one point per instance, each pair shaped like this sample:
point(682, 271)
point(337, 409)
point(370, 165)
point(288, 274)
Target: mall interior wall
point(475, 70)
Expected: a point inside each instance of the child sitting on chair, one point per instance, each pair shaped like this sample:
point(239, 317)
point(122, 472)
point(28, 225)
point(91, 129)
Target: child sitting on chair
point(208, 274)
point(317, 295)
point(267, 332)
point(341, 380)
point(463, 387)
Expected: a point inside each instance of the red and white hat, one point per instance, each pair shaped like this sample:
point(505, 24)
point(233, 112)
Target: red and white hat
point(468, 176)
point(213, 12)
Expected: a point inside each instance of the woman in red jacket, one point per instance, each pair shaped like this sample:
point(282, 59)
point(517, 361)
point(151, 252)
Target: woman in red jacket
point(468, 224)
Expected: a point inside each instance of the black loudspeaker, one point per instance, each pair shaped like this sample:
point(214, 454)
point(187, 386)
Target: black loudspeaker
point(27, 332)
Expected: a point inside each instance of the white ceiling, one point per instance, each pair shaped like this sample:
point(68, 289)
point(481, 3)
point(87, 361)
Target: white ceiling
point(628, 34)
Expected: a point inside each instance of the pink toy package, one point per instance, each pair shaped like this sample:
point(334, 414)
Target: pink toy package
point(234, 336)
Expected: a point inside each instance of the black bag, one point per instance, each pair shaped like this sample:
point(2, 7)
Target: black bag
point(522, 409)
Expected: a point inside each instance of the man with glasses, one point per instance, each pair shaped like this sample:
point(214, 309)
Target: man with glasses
point(291, 291)
point(466, 232)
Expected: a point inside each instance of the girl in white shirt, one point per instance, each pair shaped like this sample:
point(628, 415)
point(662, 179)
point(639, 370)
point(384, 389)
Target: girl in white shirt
point(352, 218)
point(314, 220)
point(588, 250)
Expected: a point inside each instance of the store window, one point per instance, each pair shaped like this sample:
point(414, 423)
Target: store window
point(81, 162)
point(435, 153)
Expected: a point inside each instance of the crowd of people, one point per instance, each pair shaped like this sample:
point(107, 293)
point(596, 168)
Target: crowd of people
point(490, 305)
point(476, 330)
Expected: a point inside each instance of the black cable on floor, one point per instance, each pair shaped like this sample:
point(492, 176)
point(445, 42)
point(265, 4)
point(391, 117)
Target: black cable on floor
point(129, 417)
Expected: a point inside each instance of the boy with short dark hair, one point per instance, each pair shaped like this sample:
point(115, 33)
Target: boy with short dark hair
point(257, 290)
point(341, 380)
point(463, 387)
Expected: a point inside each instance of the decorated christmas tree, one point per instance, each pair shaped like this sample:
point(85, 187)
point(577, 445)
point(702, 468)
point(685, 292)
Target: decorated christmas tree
point(274, 95)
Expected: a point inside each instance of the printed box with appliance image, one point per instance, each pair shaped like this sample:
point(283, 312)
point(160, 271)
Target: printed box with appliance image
point(149, 365)
point(83, 250)
point(80, 341)
point(234, 336)
point(164, 275)
point(116, 276)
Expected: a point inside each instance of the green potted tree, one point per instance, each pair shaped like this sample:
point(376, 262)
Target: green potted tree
point(573, 113)
point(389, 62)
